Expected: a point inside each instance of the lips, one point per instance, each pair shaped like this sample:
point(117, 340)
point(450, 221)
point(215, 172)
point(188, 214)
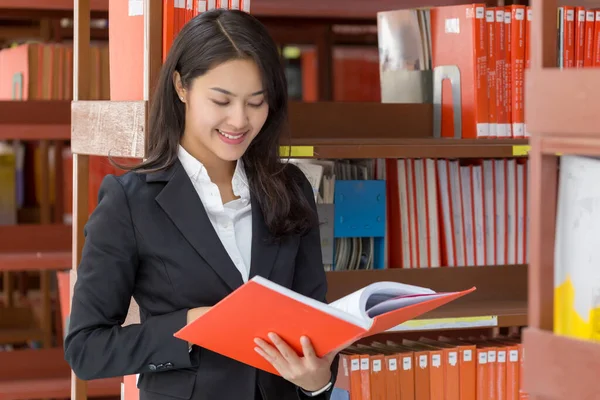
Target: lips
point(232, 135)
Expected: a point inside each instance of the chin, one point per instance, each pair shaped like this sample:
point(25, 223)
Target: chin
point(229, 153)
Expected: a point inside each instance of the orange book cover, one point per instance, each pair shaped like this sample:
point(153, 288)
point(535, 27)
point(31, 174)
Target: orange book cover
point(503, 128)
point(261, 306)
point(596, 38)
point(518, 70)
point(365, 376)
point(483, 377)
point(450, 365)
point(343, 376)
point(378, 377)
point(355, 380)
point(492, 365)
point(508, 68)
point(458, 38)
point(437, 367)
point(501, 373)
point(467, 367)
point(528, 40)
point(422, 378)
point(406, 367)
point(579, 36)
point(569, 36)
point(490, 24)
point(392, 377)
point(168, 34)
point(394, 217)
point(126, 44)
point(588, 56)
point(511, 372)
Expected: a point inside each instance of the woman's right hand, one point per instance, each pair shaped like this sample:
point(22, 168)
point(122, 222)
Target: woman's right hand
point(195, 313)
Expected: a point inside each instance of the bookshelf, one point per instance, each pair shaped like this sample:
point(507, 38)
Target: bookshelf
point(557, 367)
point(53, 120)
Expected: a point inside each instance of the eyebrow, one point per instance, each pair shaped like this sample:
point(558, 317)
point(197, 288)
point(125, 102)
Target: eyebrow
point(227, 92)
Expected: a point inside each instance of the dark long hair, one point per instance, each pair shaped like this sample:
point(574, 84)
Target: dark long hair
point(206, 41)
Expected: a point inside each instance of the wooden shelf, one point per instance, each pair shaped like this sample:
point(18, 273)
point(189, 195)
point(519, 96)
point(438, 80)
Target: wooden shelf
point(576, 99)
point(470, 314)
point(42, 374)
point(35, 120)
point(35, 238)
point(500, 298)
point(346, 9)
point(338, 9)
point(413, 148)
point(59, 5)
point(35, 261)
point(570, 366)
point(20, 335)
point(324, 129)
point(59, 388)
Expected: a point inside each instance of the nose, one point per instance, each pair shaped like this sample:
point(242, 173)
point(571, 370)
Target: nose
point(238, 118)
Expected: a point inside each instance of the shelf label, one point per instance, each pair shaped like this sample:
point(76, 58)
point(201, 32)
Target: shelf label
point(296, 151)
point(392, 364)
point(376, 365)
point(446, 323)
point(521, 150)
point(136, 7)
point(452, 358)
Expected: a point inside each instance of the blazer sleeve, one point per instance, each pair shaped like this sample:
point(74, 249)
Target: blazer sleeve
point(310, 279)
point(97, 346)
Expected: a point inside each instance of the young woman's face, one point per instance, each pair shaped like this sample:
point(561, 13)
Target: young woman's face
point(225, 109)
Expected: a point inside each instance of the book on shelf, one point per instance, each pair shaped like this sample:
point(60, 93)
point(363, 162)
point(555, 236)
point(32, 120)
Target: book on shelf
point(576, 254)
point(261, 306)
point(452, 368)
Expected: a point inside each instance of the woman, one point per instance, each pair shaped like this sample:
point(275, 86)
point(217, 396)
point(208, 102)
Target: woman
point(210, 207)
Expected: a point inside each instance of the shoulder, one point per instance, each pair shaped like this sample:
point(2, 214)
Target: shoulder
point(121, 187)
point(127, 182)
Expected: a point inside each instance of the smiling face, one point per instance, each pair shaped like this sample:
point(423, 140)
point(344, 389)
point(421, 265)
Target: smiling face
point(224, 110)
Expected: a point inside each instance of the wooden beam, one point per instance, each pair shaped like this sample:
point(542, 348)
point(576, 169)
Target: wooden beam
point(81, 170)
point(117, 128)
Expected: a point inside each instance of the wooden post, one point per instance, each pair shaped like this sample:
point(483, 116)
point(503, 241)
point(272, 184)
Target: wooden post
point(81, 170)
point(82, 133)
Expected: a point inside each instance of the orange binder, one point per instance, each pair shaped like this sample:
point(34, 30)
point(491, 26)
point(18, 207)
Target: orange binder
point(458, 38)
point(261, 306)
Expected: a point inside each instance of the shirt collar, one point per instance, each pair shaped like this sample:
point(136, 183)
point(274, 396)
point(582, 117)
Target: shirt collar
point(196, 171)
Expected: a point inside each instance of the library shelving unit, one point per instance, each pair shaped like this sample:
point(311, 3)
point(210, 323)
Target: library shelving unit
point(401, 131)
point(563, 119)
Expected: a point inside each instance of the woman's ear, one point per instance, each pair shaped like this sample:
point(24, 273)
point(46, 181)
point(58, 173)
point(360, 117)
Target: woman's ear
point(179, 86)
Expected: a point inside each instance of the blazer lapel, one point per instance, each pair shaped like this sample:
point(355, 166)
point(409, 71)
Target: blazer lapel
point(181, 203)
point(264, 246)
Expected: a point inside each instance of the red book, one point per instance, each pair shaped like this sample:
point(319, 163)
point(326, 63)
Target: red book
point(261, 306)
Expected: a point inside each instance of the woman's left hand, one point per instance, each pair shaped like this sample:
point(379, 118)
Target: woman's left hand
point(309, 372)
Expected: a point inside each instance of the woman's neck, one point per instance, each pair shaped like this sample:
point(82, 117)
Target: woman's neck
point(220, 171)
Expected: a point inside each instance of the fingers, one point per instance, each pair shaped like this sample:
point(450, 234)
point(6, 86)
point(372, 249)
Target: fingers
point(266, 350)
point(330, 356)
point(307, 348)
point(285, 350)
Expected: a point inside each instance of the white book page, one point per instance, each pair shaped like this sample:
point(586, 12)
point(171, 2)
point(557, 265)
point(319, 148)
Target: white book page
point(349, 315)
point(356, 303)
point(401, 302)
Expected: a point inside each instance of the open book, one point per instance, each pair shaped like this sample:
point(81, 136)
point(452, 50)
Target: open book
point(261, 306)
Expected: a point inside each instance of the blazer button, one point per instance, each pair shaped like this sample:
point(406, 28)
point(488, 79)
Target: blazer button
point(168, 365)
point(152, 367)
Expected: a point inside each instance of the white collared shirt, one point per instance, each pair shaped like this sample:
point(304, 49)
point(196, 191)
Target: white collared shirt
point(232, 221)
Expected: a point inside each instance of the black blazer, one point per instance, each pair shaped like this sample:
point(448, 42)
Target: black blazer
point(150, 238)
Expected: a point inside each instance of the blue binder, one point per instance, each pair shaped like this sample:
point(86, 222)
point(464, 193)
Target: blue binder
point(359, 208)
